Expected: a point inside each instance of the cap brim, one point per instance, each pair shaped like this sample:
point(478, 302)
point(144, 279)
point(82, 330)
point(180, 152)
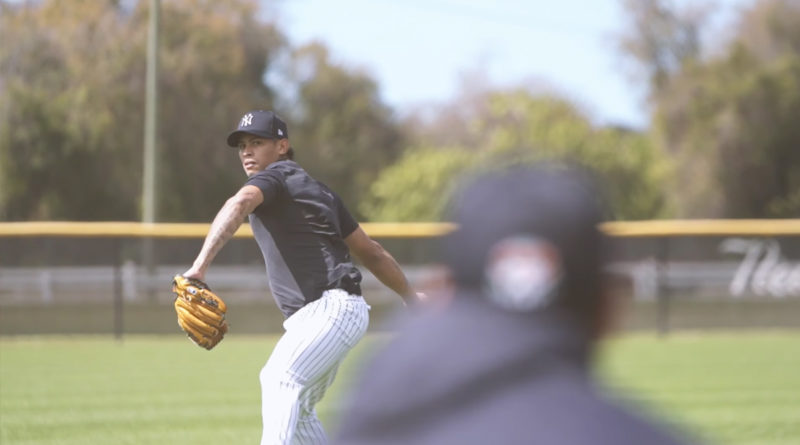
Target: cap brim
point(233, 138)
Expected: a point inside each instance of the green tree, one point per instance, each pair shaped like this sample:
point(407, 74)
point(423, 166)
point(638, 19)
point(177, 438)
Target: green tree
point(214, 56)
point(732, 128)
point(661, 38)
point(342, 132)
point(71, 105)
point(417, 186)
point(729, 120)
point(64, 116)
point(516, 127)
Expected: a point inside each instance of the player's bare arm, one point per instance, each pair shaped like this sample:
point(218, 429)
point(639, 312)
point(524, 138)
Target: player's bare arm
point(225, 224)
point(381, 263)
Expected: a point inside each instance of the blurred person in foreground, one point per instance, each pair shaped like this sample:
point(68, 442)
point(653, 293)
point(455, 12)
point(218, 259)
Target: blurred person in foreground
point(508, 360)
point(306, 236)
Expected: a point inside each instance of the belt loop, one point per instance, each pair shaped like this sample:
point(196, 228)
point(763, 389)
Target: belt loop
point(348, 285)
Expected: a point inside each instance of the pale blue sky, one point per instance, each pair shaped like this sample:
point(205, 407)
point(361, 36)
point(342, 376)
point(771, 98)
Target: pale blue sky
point(419, 50)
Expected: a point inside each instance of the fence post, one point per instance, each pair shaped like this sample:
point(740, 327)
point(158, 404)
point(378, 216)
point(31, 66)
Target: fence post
point(46, 285)
point(662, 294)
point(118, 309)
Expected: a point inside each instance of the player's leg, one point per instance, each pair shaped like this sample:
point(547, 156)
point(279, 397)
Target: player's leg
point(309, 431)
point(299, 370)
point(309, 428)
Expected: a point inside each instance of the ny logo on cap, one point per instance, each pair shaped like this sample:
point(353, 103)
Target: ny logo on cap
point(247, 120)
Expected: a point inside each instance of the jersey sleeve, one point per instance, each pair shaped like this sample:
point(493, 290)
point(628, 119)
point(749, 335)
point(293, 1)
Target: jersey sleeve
point(347, 224)
point(270, 182)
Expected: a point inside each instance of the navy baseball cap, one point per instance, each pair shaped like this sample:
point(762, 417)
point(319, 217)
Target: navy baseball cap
point(265, 124)
point(558, 203)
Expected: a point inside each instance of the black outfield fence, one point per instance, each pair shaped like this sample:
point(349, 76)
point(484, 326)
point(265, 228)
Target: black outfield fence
point(89, 278)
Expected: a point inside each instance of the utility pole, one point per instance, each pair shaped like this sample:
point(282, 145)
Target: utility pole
point(151, 118)
point(150, 164)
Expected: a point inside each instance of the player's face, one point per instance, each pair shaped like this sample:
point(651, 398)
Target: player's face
point(257, 153)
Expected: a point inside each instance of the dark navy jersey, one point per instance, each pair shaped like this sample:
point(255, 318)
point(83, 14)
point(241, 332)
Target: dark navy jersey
point(300, 228)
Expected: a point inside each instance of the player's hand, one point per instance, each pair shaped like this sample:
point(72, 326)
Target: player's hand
point(195, 273)
point(418, 299)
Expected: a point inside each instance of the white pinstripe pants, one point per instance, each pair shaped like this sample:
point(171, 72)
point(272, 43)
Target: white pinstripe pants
point(304, 363)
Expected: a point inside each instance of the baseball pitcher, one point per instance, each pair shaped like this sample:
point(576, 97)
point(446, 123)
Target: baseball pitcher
point(306, 236)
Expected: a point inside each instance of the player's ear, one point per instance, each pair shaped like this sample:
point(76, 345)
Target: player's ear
point(283, 146)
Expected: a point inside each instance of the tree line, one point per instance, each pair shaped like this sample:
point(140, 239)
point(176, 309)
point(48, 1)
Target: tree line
point(723, 139)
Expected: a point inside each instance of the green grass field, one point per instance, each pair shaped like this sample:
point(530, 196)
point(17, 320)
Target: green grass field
point(731, 388)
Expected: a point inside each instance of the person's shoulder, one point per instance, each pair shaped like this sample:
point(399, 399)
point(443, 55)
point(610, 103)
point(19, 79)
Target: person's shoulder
point(626, 422)
point(279, 170)
point(287, 168)
point(568, 392)
point(284, 165)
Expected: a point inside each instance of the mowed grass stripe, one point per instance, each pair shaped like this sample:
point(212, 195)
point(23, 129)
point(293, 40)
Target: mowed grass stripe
point(733, 388)
point(93, 390)
point(143, 390)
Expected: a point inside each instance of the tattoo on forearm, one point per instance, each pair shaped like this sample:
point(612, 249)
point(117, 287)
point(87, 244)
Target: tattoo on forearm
point(225, 224)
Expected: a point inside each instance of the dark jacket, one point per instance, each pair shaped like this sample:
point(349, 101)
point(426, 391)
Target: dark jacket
point(475, 374)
